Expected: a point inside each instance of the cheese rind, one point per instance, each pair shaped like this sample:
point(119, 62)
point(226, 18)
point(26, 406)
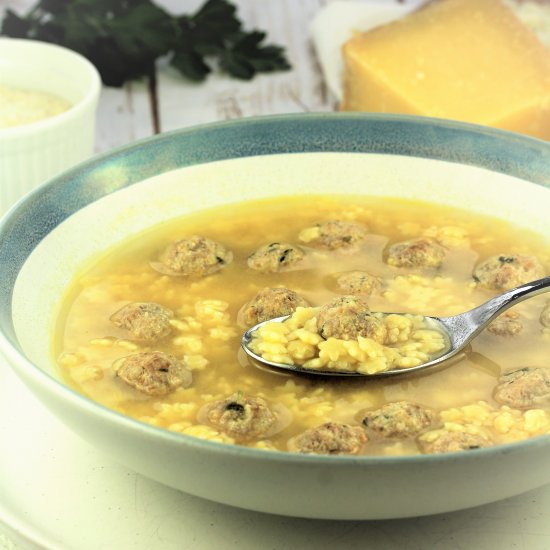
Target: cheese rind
point(468, 60)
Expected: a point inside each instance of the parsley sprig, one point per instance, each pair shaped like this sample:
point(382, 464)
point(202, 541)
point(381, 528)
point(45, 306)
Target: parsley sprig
point(124, 39)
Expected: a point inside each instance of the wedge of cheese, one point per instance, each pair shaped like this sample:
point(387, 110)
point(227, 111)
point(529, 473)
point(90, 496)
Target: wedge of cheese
point(469, 60)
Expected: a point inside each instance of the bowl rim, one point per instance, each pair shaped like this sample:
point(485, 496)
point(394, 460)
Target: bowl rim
point(74, 111)
point(56, 387)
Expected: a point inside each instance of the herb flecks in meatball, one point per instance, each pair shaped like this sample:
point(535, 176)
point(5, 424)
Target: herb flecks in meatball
point(270, 303)
point(419, 253)
point(275, 257)
point(454, 441)
point(399, 420)
point(331, 438)
point(153, 372)
point(241, 417)
point(507, 324)
point(196, 256)
point(545, 315)
point(358, 282)
point(504, 272)
point(524, 388)
point(333, 234)
point(349, 317)
point(146, 321)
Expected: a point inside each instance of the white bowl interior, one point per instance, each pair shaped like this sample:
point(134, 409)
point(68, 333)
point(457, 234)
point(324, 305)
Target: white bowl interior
point(46, 68)
point(43, 281)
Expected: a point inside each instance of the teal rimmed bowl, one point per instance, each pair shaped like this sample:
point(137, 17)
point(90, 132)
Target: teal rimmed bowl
point(48, 235)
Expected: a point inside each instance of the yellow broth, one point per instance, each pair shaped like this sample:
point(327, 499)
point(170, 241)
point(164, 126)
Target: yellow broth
point(87, 343)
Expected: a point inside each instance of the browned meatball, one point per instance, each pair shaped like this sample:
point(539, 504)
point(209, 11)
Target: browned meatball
point(401, 419)
point(275, 257)
point(349, 317)
point(334, 234)
point(449, 442)
point(507, 324)
point(545, 315)
point(196, 256)
point(153, 372)
point(358, 282)
point(331, 438)
point(241, 417)
point(524, 388)
point(146, 321)
point(507, 271)
point(270, 303)
point(424, 253)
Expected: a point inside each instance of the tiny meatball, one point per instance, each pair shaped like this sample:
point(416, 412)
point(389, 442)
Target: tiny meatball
point(146, 321)
point(506, 272)
point(507, 324)
point(270, 303)
point(358, 282)
point(399, 420)
point(349, 317)
point(333, 234)
point(545, 315)
point(241, 417)
point(153, 372)
point(196, 256)
point(449, 442)
point(275, 257)
point(331, 438)
point(524, 388)
point(423, 253)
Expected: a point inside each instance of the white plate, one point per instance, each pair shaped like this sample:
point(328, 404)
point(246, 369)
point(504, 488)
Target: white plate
point(59, 493)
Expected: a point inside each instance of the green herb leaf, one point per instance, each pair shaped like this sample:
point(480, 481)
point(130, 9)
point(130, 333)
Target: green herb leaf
point(246, 56)
point(211, 26)
point(205, 33)
point(190, 63)
point(124, 39)
point(215, 32)
point(15, 26)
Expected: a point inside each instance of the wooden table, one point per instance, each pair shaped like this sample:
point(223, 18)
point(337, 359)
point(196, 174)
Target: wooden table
point(144, 108)
point(141, 109)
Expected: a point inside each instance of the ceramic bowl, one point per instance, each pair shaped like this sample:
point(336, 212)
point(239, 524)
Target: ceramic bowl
point(32, 153)
point(58, 227)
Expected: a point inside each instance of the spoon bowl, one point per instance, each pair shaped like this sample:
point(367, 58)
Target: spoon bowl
point(458, 330)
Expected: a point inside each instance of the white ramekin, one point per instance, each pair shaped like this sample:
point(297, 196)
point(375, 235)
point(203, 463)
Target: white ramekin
point(32, 153)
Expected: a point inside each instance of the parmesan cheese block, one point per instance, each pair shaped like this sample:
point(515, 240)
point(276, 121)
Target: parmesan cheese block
point(469, 60)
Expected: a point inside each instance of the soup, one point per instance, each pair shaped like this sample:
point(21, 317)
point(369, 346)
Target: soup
point(152, 328)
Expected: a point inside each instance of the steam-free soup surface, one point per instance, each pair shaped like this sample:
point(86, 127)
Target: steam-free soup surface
point(205, 314)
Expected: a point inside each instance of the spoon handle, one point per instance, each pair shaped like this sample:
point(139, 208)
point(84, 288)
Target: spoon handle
point(469, 324)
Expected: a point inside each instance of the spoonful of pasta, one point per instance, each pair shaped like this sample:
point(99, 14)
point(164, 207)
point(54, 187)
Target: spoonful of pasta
point(345, 338)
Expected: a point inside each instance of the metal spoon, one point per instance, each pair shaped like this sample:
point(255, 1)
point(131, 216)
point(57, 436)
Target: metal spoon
point(458, 329)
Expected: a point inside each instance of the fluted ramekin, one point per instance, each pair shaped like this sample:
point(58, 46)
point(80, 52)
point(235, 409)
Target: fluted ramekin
point(32, 153)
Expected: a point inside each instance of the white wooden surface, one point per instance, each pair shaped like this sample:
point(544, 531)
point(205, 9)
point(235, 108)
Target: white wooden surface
point(182, 103)
point(126, 114)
